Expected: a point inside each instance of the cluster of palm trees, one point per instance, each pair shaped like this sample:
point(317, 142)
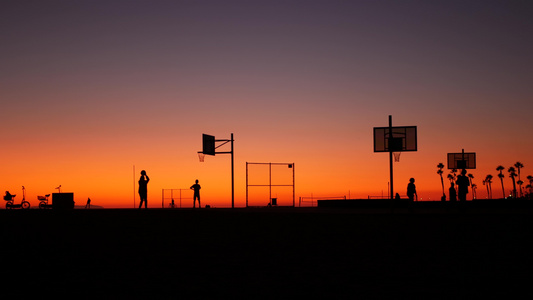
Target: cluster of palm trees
point(453, 178)
point(514, 173)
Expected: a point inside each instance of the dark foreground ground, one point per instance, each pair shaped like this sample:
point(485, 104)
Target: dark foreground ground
point(267, 253)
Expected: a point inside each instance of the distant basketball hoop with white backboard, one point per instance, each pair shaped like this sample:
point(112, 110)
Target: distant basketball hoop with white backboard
point(395, 140)
point(462, 160)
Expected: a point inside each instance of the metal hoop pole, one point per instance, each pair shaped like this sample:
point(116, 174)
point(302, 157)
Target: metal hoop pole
point(293, 187)
point(232, 176)
point(390, 159)
point(246, 184)
point(270, 183)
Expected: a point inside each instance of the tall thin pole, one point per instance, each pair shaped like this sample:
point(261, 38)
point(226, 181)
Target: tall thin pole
point(232, 176)
point(246, 184)
point(390, 158)
point(270, 183)
point(133, 186)
point(293, 187)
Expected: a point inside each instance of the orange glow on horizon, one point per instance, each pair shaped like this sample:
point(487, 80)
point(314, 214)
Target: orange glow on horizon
point(107, 176)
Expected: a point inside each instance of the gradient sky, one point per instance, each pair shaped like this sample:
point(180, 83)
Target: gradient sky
point(89, 89)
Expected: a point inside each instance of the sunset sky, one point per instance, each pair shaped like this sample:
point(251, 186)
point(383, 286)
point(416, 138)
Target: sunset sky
point(91, 89)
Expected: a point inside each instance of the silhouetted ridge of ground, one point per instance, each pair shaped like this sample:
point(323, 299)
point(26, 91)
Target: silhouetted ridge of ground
point(266, 253)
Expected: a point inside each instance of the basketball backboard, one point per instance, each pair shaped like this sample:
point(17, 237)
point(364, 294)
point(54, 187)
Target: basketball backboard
point(208, 144)
point(462, 160)
point(404, 138)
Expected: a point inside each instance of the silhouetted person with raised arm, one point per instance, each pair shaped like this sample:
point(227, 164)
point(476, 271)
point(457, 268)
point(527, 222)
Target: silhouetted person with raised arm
point(411, 190)
point(462, 185)
point(453, 193)
point(196, 187)
point(143, 189)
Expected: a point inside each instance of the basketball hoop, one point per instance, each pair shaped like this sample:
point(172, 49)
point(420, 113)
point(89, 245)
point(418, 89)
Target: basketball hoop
point(201, 156)
point(396, 156)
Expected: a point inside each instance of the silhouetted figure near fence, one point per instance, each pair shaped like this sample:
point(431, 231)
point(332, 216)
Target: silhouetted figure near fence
point(196, 187)
point(462, 185)
point(453, 193)
point(411, 190)
point(143, 189)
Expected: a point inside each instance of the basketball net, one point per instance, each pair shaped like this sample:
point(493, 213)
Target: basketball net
point(201, 156)
point(396, 156)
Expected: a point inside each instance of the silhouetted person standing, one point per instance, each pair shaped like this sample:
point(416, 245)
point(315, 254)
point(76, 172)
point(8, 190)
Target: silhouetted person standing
point(196, 187)
point(88, 205)
point(411, 190)
point(143, 189)
point(462, 185)
point(453, 193)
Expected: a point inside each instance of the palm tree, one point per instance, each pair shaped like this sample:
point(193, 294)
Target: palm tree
point(441, 166)
point(453, 178)
point(520, 182)
point(488, 182)
point(470, 176)
point(530, 178)
point(518, 165)
point(500, 168)
point(512, 174)
point(450, 178)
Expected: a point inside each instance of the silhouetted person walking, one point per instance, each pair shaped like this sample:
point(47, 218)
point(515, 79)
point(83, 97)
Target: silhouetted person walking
point(411, 190)
point(453, 193)
point(143, 189)
point(196, 187)
point(88, 205)
point(462, 185)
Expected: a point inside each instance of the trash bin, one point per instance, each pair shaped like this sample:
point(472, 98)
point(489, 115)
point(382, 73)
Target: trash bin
point(274, 201)
point(63, 200)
